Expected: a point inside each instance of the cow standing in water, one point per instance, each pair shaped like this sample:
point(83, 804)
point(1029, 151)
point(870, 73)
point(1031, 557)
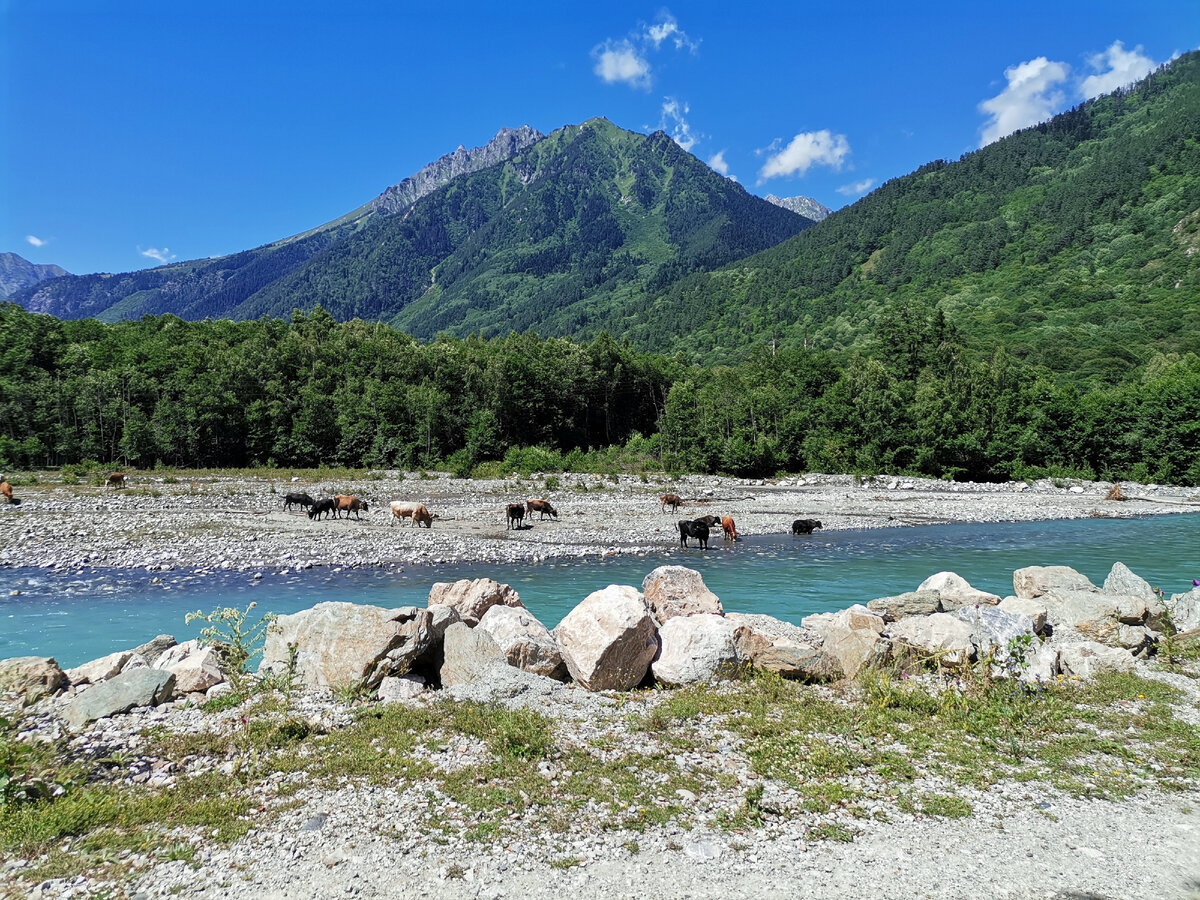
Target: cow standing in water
point(729, 528)
point(697, 529)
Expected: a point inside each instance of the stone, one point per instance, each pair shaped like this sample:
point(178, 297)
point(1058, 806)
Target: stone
point(1041, 663)
point(339, 644)
point(993, 630)
point(441, 618)
point(32, 677)
point(1088, 658)
point(470, 654)
point(1122, 581)
point(195, 668)
point(1094, 615)
point(154, 648)
point(940, 635)
point(954, 591)
point(525, 642)
point(99, 669)
point(119, 694)
point(220, 689)
point(781, 647)
point(853, 637)
point(397, 689)
point(1033, 581)
point(911, 603)
point(609, 639)
point(696, 649)
point(473, 598)
point(1034, 609)
point(1184, 610)
point(679, 591)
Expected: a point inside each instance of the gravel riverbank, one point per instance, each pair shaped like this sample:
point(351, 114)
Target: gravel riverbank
point(221, 522)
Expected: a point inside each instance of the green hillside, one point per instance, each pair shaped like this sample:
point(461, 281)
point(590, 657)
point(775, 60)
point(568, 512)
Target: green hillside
point(1075, 244)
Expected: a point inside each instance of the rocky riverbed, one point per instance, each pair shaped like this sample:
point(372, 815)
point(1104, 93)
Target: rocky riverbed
point(222, 522)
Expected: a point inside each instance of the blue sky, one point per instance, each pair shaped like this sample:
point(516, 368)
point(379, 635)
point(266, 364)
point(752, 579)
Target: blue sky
point(133, 133)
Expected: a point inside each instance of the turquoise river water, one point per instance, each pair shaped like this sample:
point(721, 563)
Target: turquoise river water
point(80, 616)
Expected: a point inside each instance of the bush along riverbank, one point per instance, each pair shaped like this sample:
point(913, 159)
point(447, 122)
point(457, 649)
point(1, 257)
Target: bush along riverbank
point(464, 748)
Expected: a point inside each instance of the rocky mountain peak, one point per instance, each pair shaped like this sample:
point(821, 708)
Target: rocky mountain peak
point(804, 206)
point(16, 272)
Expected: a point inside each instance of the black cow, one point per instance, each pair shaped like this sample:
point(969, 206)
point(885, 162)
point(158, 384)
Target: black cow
point(321, 507)
point(302, 500)
point(697, 529)
point(515, 513)
point(805, 526)
point(710, 521)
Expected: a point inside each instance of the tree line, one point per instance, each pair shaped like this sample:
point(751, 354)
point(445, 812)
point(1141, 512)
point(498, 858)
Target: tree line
point(312, 391)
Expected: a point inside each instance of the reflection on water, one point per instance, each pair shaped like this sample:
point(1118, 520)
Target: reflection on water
point(77, 617)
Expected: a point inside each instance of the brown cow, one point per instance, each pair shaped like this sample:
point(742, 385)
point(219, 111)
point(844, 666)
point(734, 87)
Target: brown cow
point(540, 506)
point(6, 490)
point(402, 509)
point(422, 516)
point(348, 504)
point(115, 480)
point(672, 500)
point(729, 528)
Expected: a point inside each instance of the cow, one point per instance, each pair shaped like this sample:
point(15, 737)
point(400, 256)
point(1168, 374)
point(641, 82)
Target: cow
point(6, 489)
point(540, 506)
point(402, 509)
point(115, 480)
point(344, 503)
point(805, 526)
point(672, 500)
point(729, 528)
point(697, 529)
point(302, 500)
point(514, 512)
point(710, 521)
point(321, 507)
point(422, 516)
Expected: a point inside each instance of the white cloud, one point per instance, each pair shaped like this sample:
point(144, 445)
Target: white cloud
point(619, 61)
point(1115, 68)
point(675, 123)
point(668, 27)
point(163, 256)
point(858, 187)
point(812, 148)
point(717, 163)
point(1028, 98)
point(35, 241)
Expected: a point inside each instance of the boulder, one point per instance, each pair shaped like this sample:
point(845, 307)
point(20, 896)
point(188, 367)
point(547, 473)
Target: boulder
point(1088, 658)
point(912, 603)
point(789, 650)
point(525, 642)
point(340, 644)
point(1123, 582)
point(470, 655)
point(1094, 615)
point(1184, 610)
point(405, 687)
point(1033, 581)
point(121, 693)
point(473, 598)
point(195, 668)
point(441, 618)
point(1034, 609)
point(954, 591)
point(154, 648)
point(679, 591)
point(696, 649)
point(33, 677)
point(852, 637)
point(993, 630)
point(941, 635)
point(1041, 663)
point(609, 639)
point(100, 669)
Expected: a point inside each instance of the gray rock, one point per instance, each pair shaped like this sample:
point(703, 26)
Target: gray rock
point(1184, 610)
point(1034, 581)
point(525, 642)
point(121, 693)
point(679, 591)
point(852, 637)
point(470, 655)
point(1094, 615)
point(1088, 658)
point(473, 598)
point(1034, 609)
point(954, 591)
point(196, 668)
point(32, 677)
point(154, 648)
point(912, 603)
point(696, 649)
point(99, 669)
point(941, 635)
point(406, 687)
point(993, 630)
point(442, 617)
point(609, 639)
point(1122, 581)
point(789, 650)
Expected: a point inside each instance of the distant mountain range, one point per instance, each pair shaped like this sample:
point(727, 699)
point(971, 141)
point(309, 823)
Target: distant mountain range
point(529, 231)
point(805, 206)
point(17, 273)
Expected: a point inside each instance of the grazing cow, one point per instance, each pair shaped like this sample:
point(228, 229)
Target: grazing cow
point(402, 509)
point(697, 529)
point(672, 500)
point(729, 528)
point(344, 503)
point(302, 500)
point(515, 512)
point(321, 507)
point(422, 516)
point(6, 489)
point(540, 506)
point(115, 480)
point(805, 526)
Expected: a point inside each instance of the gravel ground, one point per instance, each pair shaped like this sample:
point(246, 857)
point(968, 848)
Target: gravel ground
point(225, 522)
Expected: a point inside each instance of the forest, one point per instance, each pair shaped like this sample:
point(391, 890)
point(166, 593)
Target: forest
point(312, 391)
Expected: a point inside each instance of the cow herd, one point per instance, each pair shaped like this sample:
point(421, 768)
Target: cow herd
point(699, 529)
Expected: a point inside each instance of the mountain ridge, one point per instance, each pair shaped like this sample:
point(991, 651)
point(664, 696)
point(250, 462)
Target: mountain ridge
point(18, 273)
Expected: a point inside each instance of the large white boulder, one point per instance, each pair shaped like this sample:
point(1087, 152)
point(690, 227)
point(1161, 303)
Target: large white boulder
point(1087, 658)
point(195, 668)
point(525, 642)
point(696, 649)
point(1095, 615)
point(473, 598)
point(33, 677)
point(941, 635)
point(789, 650)
point(1033, 581)
point(101, 669)
point(1023, 606)
point(954, 591)
point(911, 603)
point(609, 639)
point(679, 591)
point(1185, 610)
point(995, 631)
point(853, 637)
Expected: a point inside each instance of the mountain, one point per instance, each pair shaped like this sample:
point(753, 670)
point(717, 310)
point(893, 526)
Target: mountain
point(804, 206)
point(531, 231)
point(200, 288)
point(1074, 244)
point(16, 273)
